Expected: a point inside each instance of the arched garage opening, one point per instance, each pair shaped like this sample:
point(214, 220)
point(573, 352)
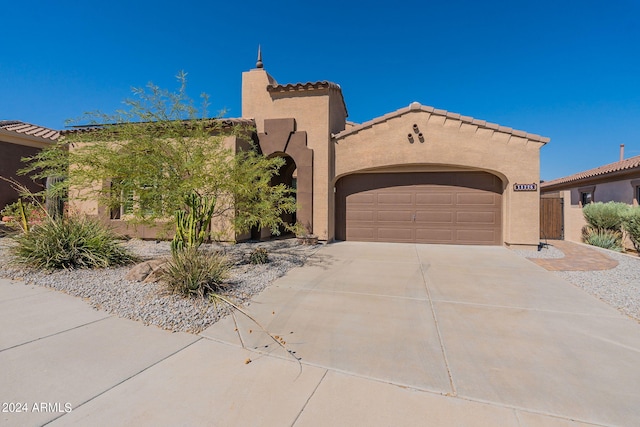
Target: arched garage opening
point(420, 207)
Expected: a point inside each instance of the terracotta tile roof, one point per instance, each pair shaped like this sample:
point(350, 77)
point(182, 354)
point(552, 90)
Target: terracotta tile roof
point(29, 129)
point(620, 166)
point(415, 106)
point(303, 86)
point(309, 86)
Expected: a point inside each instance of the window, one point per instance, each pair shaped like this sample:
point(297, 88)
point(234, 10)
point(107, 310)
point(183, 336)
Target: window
point(586, 195)
point(129, 200)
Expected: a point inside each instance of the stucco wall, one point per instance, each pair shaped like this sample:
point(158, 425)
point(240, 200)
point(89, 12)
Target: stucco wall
point(451, 143)
point(81, 202)
point(318, 112)
point(573, 218)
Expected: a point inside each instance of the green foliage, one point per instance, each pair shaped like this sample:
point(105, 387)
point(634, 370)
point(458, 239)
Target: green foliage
point(259, 256)
point(74, 242)
point(158, 150)
point(192, 225)
point(631, 226)
point(192, 272)
point(603, 238)
point(605, 216)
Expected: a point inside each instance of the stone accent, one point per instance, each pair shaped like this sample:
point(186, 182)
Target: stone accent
point(147, 271)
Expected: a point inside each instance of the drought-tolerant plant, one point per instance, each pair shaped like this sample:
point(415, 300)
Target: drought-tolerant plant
point(69, 243)
point(631, 226)
point(259, 256)
point(193, 272)
point(603, 238)
point(605, 216)
point(192, 224)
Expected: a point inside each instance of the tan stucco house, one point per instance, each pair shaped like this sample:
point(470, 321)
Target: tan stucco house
point(615, 182)
point(18, 140)
point(417, 174)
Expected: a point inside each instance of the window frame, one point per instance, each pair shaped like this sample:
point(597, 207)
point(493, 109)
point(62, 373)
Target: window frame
point(587, 191)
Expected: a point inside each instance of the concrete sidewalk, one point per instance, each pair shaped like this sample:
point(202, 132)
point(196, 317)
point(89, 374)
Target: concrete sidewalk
point(387, 334)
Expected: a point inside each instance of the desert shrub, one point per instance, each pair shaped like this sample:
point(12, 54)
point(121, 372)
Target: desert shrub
point(603, 238)
point(631, 226)
point(194, 272)
point(605, 216)
point(69, 243)
point(259, 256)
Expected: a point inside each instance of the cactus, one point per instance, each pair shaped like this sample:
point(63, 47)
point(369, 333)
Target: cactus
point(192, 223)
point(24, 220)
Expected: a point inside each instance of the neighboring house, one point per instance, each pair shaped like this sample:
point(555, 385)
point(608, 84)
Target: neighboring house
point(18, 140)
point(417, 174)
point(615, 182)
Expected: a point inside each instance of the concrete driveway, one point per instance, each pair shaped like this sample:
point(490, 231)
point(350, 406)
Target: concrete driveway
point(386, 334)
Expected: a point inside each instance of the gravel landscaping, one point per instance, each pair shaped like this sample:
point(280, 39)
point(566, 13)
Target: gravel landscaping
point(107, 289)
point(618, 287)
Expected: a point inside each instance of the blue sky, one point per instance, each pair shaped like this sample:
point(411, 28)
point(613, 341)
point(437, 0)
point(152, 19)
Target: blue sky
point(565, 69)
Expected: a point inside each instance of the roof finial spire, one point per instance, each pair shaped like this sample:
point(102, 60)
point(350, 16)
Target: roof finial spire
point(259, 62)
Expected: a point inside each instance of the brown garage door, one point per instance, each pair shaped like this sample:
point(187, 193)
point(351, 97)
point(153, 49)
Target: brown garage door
point(434, 207)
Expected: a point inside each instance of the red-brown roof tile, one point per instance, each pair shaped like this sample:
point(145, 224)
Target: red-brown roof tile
point(620, 166)
point(29, 129)
point(299, 87)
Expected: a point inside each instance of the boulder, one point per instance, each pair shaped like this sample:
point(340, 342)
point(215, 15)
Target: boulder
point(147, 271)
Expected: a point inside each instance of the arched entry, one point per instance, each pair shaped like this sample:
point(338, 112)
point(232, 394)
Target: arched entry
point(281, 138)
point(420, 207)
point(287, 175)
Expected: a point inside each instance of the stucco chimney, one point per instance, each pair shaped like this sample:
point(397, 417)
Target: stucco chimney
point(621, 152)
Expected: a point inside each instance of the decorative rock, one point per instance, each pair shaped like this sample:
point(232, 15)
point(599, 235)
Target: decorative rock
point(156, 271)
point(140, 272)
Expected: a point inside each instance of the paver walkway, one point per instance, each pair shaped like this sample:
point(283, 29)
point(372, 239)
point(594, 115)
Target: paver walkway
point(577, 257)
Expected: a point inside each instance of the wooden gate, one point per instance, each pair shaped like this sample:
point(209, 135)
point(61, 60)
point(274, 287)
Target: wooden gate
point(551, 218)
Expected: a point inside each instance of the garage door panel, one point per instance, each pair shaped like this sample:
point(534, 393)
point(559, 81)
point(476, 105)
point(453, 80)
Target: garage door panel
point(431, 199)
point(395, 234)
point(395, 199)
point(489, 218)
point(437, 217)
point(395, 216)
point(361, 234)
point(357, 215)
point(437, 207)
point(476, 199)
point(362, 198)
point(434, 235)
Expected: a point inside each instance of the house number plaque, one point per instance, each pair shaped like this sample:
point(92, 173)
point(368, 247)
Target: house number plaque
point(525, 187)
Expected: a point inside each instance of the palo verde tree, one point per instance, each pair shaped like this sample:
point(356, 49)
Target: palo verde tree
point(165, 160)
